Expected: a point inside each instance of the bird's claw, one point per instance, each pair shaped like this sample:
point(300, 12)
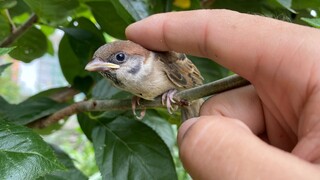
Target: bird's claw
point(167, 99)
point(134, 102)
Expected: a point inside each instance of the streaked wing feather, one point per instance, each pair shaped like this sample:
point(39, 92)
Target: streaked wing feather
point(180, 70)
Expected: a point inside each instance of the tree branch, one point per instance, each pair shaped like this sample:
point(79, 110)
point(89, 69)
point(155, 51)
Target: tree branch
point(19, 31)
point(182, 98)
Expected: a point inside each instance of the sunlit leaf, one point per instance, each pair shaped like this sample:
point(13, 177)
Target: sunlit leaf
point(6, 50)
point(315, 22)
point(3, 67)
point(184, 4)
point(286, 4)
point(23, 153)
point(137, 9)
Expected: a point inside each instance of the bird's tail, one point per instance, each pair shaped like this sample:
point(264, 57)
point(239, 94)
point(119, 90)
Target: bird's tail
point(192, 110)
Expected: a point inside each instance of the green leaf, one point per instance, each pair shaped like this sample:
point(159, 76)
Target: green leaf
point(87, 124)
point(5, 28)
point(20, 8)
point(53, 12)
point(6, 50)
point(315, 22)
point(104, 90)
point(6, 4)
point(248, 6)
point(29, 110)
point(286, 4)
point(71, 172)
point(129, 149)
point(114, 23)
point(137, 9)
point(3, 67)
point(49, 92)
point(302, 4)
point(31, 45)
point(163, 128)
point(23, 153)
point(76, 48)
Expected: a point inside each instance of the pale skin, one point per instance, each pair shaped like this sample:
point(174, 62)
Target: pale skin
point(270, 130)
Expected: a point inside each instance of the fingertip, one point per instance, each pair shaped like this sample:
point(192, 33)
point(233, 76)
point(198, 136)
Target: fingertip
point(142, 33)
point(184, 128)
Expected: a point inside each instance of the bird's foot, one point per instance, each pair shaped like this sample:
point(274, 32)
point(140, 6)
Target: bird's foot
point(167, 100)
point(134, 102)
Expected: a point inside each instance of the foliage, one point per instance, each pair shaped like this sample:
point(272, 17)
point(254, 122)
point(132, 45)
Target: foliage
point(124, 148)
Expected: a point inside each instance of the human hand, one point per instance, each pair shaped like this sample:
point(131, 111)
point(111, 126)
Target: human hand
point(281, 60)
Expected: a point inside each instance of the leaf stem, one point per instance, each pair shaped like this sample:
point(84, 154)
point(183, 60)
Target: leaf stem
point(222, 85)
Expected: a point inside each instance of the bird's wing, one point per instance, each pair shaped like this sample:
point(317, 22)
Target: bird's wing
point(180, 70)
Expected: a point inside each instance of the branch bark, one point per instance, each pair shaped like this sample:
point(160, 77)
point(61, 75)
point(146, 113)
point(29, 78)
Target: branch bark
point(19, 31)
point(182, 98)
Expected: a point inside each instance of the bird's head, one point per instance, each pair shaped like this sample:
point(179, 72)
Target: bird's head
point(119, 61)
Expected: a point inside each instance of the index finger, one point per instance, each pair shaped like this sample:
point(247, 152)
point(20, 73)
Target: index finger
point(241, 42)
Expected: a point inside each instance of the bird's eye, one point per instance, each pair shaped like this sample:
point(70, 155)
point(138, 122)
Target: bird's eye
point(120, 56)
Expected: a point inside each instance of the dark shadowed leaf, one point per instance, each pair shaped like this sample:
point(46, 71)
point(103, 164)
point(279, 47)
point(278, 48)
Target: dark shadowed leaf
point(5, 27)
point(50, 92)
point(161, 126)
point(115, 21)
point(31, 45)
point(128, 149)
point(6, 4)
point(29, 110)
point(83, 83)
point(70, 173)
point(20, 8)
point(76, 48)
point(302, 4)
point(3, 67)
point(23, 153)
point(53, 11)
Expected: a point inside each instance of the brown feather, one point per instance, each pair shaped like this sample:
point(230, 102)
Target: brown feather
point(180, 70)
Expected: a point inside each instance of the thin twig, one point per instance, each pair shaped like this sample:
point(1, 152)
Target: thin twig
point(19, 31)
point(188, 95)
point(13, 26)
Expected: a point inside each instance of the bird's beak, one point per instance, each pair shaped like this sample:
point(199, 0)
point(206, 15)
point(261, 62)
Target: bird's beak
point(98, 65)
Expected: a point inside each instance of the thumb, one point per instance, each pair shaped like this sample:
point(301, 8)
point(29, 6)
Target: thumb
point(217, 147)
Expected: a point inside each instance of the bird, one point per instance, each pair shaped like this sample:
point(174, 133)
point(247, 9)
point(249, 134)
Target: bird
point(144, 73)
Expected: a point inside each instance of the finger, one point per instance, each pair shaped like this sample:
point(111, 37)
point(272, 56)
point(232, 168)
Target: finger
point(244, 104)
point(241, 42)
point(223, 148)
point(241, 103)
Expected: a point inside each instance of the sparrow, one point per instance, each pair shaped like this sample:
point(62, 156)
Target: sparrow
point(146, 74)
